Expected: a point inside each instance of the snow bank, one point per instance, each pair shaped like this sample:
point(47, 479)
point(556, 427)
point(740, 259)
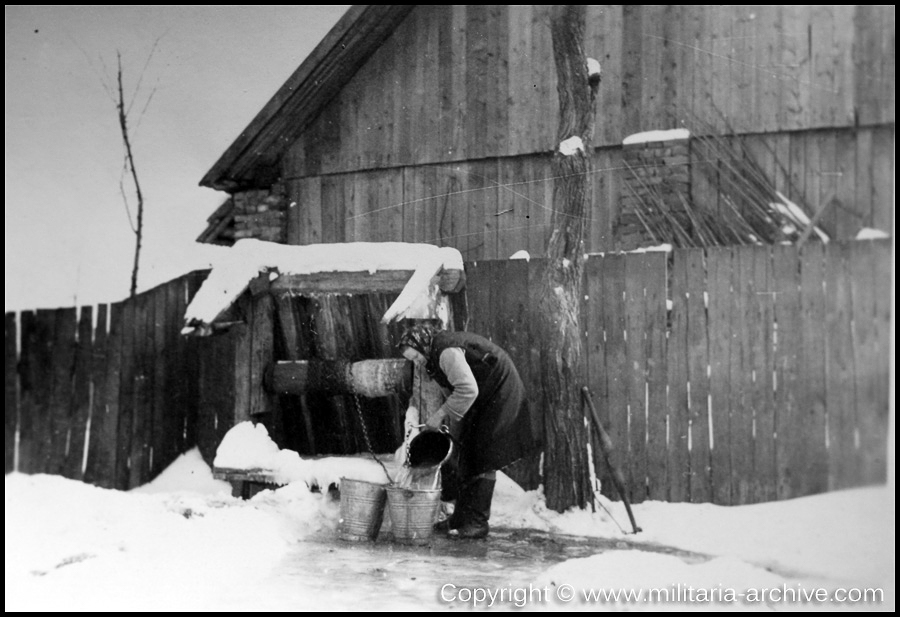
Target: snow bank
point(648, 136)
point(71, 546)
point(246, 446)
point(188, 473)
point(235, 268)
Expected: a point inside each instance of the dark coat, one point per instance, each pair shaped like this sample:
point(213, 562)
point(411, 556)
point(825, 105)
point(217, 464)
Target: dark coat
point(498, 429)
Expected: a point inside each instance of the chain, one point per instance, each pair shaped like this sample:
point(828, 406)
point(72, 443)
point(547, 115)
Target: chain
point(362, 423)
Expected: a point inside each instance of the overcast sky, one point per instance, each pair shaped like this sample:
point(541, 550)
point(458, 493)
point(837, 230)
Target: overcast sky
point(68, 236)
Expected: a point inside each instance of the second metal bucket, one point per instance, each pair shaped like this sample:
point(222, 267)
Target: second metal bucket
point(413, 513)
point(362, 510)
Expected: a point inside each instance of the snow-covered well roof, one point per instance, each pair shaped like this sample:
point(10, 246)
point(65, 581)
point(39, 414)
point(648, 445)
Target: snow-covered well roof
point(236, 267)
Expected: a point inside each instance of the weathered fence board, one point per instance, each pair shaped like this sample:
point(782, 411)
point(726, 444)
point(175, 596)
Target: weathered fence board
point(11, 419)
point(744, 335)
point(790, 455)
point(162, 355)
point(697, 373)
point(811, 403)
point(839, 382)
point(763, 396)
point(719, 317)
point(142, 411)
point(882, 270)
point(655, 272)
point(81, 396)
point(617, 372)
point(677, 402)
point(635, 447)
point(41, 388)
point(103, 438)
point(871, 437)
point(127, 378)
point(62, 358)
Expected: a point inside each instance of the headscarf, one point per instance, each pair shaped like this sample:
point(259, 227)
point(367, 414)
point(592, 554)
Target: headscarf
point(418, 337)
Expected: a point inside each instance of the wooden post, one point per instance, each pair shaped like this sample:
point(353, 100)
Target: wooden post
point(566, 478)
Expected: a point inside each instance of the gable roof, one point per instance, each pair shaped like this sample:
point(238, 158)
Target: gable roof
point(252, 160)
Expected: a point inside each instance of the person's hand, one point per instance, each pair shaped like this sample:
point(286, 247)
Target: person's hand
point(436, 420)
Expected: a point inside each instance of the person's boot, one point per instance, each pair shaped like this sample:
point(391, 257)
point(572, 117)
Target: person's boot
point(474, 510)
point(449, 492)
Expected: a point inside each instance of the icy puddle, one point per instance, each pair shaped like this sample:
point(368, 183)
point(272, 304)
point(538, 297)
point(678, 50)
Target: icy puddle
point(389, 576)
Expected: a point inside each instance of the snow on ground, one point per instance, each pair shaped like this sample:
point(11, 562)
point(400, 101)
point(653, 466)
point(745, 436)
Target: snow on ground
point(236, 267)
point(184, 543)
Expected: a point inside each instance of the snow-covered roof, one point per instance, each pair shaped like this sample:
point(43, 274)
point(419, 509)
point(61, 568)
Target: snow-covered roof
point(236, 267)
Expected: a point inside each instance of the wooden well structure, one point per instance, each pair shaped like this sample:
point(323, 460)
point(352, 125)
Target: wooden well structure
point(314, 360)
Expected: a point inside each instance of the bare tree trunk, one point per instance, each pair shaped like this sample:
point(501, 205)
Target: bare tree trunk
point(139, 229)
point(566, 479)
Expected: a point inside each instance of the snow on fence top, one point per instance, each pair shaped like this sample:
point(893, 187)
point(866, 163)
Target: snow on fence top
point(647, 136)
point(243, 262)
point(867, 233)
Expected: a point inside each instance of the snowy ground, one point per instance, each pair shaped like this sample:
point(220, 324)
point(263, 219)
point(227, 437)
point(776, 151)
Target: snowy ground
point(183, 543)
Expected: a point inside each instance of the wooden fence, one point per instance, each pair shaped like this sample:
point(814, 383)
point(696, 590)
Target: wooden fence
point(730, 375)
point(107, 394)
point(766, 377)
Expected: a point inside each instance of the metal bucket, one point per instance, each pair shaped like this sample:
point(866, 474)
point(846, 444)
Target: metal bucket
point(429, 448)
point(362, 510)
point(413, 513)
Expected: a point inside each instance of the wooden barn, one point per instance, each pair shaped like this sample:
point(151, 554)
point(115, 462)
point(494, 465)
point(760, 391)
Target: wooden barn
point(757, 141)
point(435, 123)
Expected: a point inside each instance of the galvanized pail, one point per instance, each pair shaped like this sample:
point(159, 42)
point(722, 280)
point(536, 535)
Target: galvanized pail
point(429, 448)
point(413, 512)
point(362, 510)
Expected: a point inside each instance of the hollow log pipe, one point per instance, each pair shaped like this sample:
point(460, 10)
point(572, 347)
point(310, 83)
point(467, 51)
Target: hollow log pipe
point(369, 378)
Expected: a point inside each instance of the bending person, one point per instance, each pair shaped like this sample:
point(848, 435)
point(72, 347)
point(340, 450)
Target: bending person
point(486, 411)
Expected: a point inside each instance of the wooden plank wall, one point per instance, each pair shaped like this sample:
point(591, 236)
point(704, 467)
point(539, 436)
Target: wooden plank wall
point(469, 82)
point(491, 208)
point(105, 394)
point(342, 328)
point(735, 392)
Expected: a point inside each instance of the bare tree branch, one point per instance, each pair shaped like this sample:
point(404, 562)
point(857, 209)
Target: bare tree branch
point(123, 125)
